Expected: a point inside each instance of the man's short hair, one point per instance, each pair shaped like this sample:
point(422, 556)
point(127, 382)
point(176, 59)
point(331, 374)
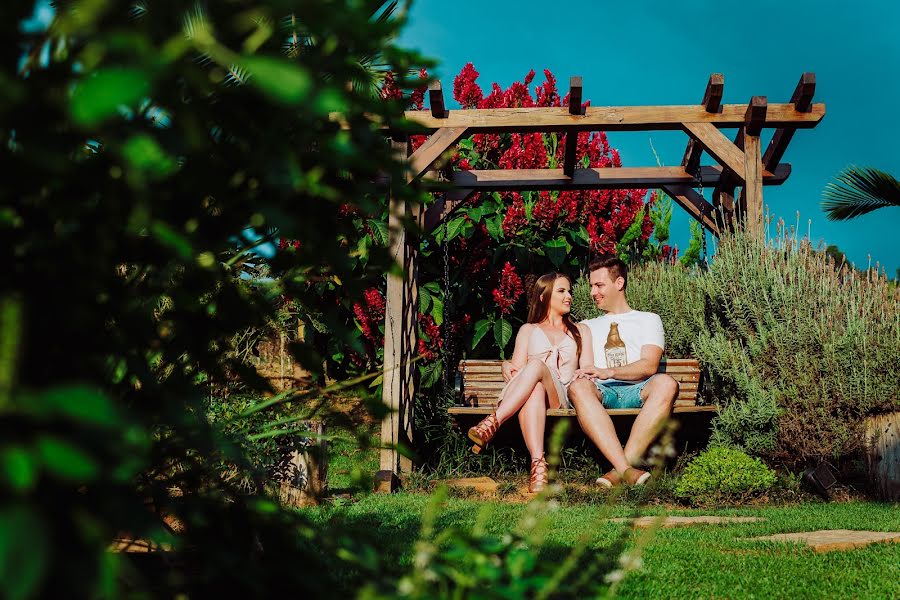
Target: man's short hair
point(616, 266)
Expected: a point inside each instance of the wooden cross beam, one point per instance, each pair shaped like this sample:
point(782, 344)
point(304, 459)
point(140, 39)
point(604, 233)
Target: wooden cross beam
point(719, 147)
point(802, 100)
point(431, 151)
point(605, 118)
point(712, 102)
point(695, 204)
point(594, 178)
point(575, 108)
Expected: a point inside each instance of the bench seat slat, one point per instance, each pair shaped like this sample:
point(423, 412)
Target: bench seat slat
point(570, 412)
point(482, 399)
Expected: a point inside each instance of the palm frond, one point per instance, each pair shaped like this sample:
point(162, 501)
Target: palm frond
point(859, 190)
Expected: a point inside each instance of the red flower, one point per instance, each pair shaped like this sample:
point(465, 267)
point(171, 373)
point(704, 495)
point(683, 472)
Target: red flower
point(546, 211)
point(509, 290)
point(465, 90)
point(430, 342)
point(515, 215)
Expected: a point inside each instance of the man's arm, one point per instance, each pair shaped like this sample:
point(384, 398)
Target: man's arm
point(641, 369)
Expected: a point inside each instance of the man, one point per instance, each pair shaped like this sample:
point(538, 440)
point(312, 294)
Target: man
point(628, 345)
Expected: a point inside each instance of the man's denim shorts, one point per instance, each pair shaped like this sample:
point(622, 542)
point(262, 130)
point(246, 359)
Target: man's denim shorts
point(621, 394)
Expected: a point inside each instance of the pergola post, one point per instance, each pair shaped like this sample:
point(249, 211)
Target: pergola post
point(402, 302)
point(752, 196)
point(400, 323)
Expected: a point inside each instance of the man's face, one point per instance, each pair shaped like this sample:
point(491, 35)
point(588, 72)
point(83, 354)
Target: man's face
point(604, 290)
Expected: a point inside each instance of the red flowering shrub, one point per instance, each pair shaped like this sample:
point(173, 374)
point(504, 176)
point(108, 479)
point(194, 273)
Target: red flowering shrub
point(509, 289)
point(498, 238)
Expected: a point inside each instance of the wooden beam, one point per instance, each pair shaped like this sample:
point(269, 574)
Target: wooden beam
point(575, 108)
point(802, 100)
point(400, 330)
point(696, 205)
point(712, 97)
point(606, 118)
point(429, 152)
point(595, 178)
point(712, 102)
point(755, 117)
point(436, 99)
point(752, 193)
point(718, 146)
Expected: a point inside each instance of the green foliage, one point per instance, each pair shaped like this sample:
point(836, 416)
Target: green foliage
point(723, 476)
point(143, 150)
point(797, 354)
point(857, 191)
point(458, 562)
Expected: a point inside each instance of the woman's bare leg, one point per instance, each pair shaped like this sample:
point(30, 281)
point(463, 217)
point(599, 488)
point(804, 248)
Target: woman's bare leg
point(520, 388)
point(532, 419)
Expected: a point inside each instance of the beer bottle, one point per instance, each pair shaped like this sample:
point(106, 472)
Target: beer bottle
point(615, 348)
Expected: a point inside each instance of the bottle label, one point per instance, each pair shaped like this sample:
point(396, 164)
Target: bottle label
point(615, 357)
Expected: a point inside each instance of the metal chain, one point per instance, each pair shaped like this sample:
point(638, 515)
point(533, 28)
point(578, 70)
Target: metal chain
point(448, 354)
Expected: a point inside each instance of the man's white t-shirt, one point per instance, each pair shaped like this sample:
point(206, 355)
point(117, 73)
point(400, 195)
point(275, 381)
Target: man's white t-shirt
point(636, 328)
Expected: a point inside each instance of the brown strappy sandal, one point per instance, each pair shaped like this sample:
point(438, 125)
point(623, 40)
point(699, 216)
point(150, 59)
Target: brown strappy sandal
point(539, 476)
point(482, 433)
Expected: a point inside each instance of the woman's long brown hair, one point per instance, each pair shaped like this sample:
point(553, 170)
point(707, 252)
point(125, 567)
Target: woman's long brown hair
point(539, 304)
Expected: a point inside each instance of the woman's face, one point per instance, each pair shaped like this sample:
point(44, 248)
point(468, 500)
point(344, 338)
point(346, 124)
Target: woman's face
point(560, 296)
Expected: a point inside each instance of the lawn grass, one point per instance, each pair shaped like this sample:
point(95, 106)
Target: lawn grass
point(707, 561)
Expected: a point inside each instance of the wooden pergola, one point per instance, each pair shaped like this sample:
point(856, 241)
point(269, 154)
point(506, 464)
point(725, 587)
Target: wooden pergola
point(740, 164)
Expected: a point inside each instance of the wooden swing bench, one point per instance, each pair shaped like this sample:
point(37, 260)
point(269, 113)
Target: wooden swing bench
point(479, 383)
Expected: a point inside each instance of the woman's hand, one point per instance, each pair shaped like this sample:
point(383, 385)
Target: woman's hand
point(508, 370)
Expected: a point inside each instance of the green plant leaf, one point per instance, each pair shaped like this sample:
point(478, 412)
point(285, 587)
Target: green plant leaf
point(18, 468)
point(100, 95)
point(283, 81)
point(24, 551)
point(82, 404)
point(556, 251)
point(481, 329)
point(494, 227)
point(431, 373)
point(146, 156)
point(66, 460)
point(170, 238)
point(502, 332)
point(454, 227)
point(380, 231)
point(437, 309)
point(424, 300)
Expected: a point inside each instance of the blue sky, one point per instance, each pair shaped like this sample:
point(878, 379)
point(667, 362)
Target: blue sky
point(654, 52)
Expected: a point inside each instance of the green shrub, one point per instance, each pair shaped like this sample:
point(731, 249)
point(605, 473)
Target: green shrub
point(724, 475)
point(796, 353)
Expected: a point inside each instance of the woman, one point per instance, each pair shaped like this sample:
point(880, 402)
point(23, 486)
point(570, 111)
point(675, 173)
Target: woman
point(549, 348)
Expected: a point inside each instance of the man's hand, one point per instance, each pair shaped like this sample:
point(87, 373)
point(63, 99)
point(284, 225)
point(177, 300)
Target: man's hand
point(593, 373)
point(508, 370)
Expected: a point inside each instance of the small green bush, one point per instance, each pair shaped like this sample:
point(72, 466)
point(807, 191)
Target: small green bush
point(724, 476)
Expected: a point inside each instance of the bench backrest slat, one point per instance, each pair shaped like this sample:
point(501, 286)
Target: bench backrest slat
point(482, 380)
